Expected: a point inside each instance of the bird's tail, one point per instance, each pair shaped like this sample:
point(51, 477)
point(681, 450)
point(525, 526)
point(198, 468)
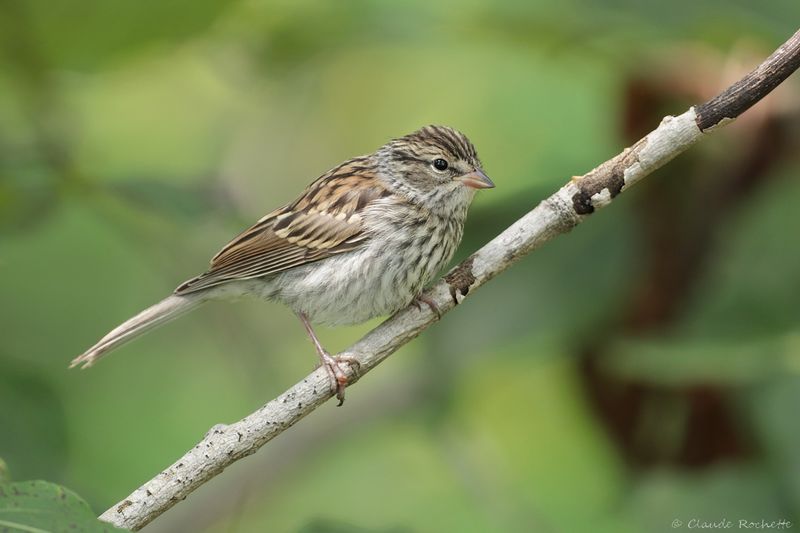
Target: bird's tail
point(167, 309)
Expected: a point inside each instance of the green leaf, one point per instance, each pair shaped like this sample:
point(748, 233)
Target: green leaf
point(30, 404)
point(43, 507)
point(681, 362)
point(5, 477)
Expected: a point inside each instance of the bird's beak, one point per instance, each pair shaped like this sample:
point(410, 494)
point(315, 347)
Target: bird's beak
point(476, 180)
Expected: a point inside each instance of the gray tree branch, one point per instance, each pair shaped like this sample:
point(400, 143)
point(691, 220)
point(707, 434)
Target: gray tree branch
point(558, 214)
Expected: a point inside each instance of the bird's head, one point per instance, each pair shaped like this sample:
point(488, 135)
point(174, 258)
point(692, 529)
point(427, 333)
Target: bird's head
point(434, 164)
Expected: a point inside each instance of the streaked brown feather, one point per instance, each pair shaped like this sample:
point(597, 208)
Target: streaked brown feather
point(326, 220)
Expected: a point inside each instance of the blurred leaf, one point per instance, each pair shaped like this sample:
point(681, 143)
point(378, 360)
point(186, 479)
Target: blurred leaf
point(689, 361)
point(106, 31)
point(174, 200)
point(33, 436)
point(751, 290)
point(28, 195)
point(321, 525)
point(41, 507)
point(725, 493)
point(772, 414)
point(5, 477)
point(529, 431)
point(177, 110)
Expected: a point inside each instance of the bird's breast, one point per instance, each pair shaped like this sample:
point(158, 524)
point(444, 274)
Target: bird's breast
point(403, 253)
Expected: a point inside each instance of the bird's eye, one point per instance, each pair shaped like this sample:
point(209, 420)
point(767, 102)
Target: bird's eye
point(440, 165)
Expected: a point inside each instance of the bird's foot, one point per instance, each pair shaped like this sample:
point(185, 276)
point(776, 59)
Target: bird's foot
point(338, 376)
point(422, 298)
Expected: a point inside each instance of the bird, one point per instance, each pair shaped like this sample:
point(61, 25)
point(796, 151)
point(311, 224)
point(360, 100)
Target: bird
point(362, 240)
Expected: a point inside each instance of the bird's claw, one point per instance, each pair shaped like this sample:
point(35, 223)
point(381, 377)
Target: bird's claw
point(338, 376)
point(422, 298)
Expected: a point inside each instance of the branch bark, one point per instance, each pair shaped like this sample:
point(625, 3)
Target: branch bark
point(558, 214)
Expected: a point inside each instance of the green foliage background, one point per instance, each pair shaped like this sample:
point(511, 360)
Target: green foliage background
point(137, 137)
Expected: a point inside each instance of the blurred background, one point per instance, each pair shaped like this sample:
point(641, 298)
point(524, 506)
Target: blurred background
point(641, 369)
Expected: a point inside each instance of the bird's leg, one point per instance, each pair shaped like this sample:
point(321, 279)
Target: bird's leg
point(422, 298)
point(332, 364)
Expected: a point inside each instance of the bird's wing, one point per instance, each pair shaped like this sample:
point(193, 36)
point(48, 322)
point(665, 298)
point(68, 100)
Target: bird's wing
point(325, 221)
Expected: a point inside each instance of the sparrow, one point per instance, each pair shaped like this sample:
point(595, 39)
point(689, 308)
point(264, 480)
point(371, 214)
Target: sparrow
point(361, 241)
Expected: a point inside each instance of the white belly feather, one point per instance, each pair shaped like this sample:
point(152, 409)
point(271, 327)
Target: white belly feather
point(392, 268)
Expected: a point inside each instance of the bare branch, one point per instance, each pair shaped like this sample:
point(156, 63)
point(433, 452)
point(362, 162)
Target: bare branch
point(740, 96)
point(557, 214)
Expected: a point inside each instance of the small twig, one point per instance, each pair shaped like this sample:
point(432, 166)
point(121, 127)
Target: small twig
point(557, 214)
point(741, 96)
